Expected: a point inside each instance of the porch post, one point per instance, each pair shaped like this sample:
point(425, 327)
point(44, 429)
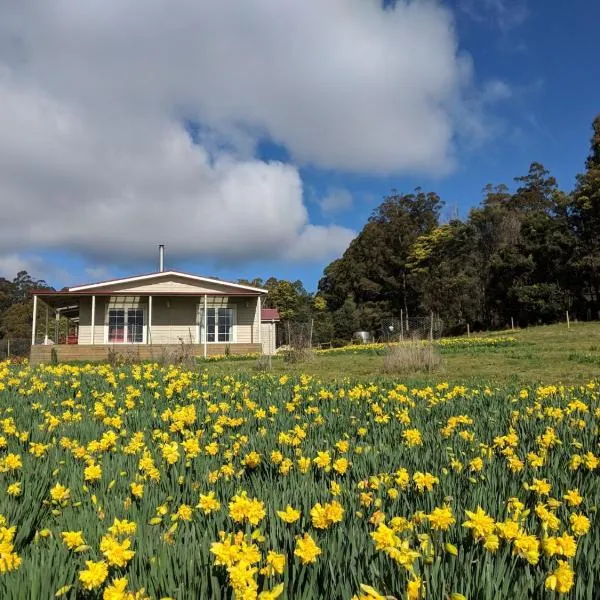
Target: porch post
point(93, 325)
point(56, 325)
point(33, 323)
point(259, 309)
point(149, 332)
point(46, 332)
point(205, 325)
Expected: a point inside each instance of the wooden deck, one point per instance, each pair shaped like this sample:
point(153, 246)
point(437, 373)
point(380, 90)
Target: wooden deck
point(137, 352)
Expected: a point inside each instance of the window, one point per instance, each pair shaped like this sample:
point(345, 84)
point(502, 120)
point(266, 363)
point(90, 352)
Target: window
point(220, 322)
point(125, 325)
point(135, 326)
point(116, 326)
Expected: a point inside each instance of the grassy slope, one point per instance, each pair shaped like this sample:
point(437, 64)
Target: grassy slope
point(545, 354)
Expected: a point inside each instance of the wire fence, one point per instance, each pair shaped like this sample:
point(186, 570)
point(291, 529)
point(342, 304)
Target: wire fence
point(18, 348)
point(396, 329)
point(389, 330)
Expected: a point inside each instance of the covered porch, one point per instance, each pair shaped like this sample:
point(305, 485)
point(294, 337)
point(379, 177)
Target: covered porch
point(91, 326)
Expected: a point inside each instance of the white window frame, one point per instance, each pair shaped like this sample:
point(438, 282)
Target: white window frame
point(202, 330)
point(126, 308)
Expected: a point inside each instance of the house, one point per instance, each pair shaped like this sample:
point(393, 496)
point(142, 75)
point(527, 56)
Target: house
point(148, 315)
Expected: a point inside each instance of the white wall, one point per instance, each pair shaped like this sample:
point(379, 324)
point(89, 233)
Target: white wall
point(268, 337)
point(173, 318)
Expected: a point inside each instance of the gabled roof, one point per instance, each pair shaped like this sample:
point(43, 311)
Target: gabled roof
point(269, 314)
point(164, 274)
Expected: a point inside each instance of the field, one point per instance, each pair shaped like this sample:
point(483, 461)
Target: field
point(549, 353)
point(139, 482)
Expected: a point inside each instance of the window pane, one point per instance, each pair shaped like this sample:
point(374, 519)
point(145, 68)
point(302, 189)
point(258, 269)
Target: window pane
point(135, 325)
point(116, 325)
point(225, 325)
point(211, 326)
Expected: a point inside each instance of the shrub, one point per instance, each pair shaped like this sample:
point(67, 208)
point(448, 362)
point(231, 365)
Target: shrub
point(411, 357)
point(263, 363)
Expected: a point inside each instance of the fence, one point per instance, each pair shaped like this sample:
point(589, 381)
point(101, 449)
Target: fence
point(395, 329)
point(18, 348)
point(390, 329)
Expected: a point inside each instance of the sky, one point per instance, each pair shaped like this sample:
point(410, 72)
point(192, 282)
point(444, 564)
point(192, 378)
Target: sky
point(254, 138)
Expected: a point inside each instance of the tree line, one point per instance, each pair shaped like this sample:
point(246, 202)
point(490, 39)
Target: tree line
point(528, 255)
point(16, 305)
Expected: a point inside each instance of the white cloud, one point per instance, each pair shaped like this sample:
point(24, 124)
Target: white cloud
point(100, 273)
point(37, 266)
point(337, 199)
point(503, 14)
point(94, 156)
point(315, 241)
point(496, 90)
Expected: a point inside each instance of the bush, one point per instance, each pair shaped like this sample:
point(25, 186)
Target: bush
point(411, 357)
point(263, 363)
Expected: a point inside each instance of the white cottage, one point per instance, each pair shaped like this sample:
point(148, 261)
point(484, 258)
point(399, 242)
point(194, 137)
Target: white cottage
point(148, 314)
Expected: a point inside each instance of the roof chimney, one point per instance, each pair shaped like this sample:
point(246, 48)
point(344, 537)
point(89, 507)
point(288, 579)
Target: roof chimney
point(161, 258)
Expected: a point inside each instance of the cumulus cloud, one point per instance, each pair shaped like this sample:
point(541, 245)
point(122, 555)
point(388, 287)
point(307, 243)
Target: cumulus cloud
point(96, 158)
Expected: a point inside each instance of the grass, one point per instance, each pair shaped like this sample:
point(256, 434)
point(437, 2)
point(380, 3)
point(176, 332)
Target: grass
point(551, 353)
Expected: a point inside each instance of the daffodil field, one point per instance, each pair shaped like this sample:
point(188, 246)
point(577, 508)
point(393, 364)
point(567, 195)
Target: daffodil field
point(445, 345)
point(126, 483)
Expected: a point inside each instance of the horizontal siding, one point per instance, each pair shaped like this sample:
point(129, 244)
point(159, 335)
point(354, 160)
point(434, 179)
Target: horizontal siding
point(85, 320)
point(174, 319)
point(175, 285)
point(246, 321)
point(267, 337)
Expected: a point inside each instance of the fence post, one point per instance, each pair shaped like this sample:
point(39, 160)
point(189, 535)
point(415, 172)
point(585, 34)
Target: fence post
point(568, 322)
point(468, 331)
point(401, 325)
point(8, 348)
point(512, 324)
point(431, 328)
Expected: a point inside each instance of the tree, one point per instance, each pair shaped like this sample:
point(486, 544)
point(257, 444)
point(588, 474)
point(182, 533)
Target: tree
point(443, 269)
point(15, 322)
point(346, 319)
point(584, 218)
point(373, 270)
point(290, 298)
point(16, 305)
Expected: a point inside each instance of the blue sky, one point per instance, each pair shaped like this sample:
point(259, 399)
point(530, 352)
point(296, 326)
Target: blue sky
point(533, 89)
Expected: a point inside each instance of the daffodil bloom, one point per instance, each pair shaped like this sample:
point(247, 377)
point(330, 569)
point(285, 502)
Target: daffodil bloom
point(94, 575)
point(72, 539)
point(441, 518)
point(561, 579)
point(306, 549)
point(289, 515)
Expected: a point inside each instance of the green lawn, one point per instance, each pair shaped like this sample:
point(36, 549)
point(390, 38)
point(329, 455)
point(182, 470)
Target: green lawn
point(542, 354)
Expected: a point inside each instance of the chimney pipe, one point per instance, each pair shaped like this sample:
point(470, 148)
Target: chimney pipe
point(161, 258)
